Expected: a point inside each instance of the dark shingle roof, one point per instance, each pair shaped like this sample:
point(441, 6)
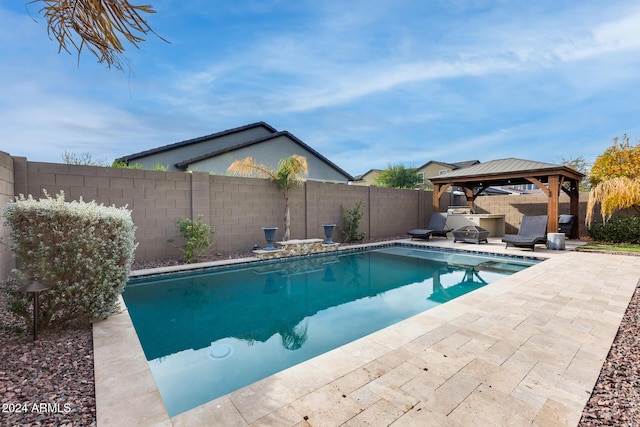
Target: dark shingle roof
point(195, 141)
point(454, 166)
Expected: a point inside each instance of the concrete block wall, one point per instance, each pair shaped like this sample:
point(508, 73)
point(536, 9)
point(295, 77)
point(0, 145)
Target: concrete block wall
point(323, 201)
point(514, 207)
point(394, 212)
point(240, 207)
point(237, 208)
point(156, 199)
point(7, 172)
point(386, 212)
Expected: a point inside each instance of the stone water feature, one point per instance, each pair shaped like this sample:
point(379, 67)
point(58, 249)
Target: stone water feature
point(296, 247)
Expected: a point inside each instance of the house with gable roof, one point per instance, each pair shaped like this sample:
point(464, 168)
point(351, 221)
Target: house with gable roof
point(435, 168)
point(431, 168)
point(214, 153)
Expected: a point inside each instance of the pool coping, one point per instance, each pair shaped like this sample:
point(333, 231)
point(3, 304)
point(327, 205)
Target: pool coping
point(341, 385)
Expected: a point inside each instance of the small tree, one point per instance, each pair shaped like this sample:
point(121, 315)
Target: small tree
point(398, 176)
point(288, 175)
point(352, 218)
point(85, 159)
point(197, 234)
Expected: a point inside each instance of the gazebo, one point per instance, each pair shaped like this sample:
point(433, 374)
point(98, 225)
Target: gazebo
point(550, 178)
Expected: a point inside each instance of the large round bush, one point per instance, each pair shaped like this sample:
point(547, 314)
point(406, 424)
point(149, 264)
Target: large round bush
point(83, 250)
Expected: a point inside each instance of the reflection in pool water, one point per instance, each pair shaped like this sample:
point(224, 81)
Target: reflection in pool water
point(210, 332)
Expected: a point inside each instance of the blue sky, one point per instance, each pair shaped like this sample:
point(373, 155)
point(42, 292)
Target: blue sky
point(365, 83)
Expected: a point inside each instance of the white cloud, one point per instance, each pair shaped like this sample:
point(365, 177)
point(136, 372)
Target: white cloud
point(349, 79)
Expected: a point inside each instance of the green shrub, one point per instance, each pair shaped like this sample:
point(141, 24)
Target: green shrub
point(125, 165)
point(82, 250)
point(618, 229)
point(352, 218)
point(197, 233)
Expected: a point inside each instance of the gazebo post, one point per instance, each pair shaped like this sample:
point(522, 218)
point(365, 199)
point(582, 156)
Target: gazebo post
point(574, 207)
point(436, 197)
point(469, 193)
point(438, 191)
point(552, 205)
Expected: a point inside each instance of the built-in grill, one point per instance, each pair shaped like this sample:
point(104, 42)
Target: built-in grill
point(460, 210)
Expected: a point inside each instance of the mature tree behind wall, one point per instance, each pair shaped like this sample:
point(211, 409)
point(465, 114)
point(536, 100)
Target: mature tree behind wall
point(398, 176)
point(581, 165)
point(615, 179)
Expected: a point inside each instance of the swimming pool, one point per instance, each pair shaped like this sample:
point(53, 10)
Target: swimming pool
point(210, 332)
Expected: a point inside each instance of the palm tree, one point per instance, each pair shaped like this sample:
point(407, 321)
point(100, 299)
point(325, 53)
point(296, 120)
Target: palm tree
point(288, 175)
point(98, 24)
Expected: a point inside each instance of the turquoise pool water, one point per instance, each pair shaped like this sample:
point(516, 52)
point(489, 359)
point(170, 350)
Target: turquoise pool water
point(210, 332)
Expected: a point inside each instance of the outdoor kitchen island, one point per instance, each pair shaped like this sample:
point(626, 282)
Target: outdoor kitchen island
point(459, 217)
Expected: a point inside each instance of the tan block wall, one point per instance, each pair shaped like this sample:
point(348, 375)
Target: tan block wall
point(514, 207)
point(323, 207)
point(240, 207)
point(237, 208)
point(7, 173)
point(386, 212)
point(394, 212)
point(156, 199)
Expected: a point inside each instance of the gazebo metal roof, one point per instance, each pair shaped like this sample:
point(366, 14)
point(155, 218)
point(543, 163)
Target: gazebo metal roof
point(550, 178)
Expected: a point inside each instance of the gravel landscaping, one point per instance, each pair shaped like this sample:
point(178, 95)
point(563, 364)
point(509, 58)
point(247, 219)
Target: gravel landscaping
point(51, 382)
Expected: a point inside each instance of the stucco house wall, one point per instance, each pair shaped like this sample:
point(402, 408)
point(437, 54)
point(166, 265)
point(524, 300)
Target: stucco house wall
point(169, 155)
point(436, 168)
point(432, 169)
point(369, 178)
point(270, 153)
point(216, 152)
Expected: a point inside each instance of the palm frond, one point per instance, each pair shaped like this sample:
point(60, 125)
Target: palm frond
point(291, 171)
point(99, 24)
point(249, 167)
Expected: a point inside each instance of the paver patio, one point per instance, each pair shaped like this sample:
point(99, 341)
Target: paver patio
point(525, 350)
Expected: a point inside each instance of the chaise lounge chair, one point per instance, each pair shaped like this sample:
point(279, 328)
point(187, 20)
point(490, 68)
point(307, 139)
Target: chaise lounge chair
point(565, 224)
point(437, 227)
point(533, 230)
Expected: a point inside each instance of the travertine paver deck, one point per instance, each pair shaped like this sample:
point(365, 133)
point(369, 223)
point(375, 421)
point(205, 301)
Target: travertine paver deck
point(526, 350)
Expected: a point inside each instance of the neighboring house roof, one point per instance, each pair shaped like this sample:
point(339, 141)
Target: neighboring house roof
point(501, 166)
point(188, 142)
point(182, 155)
point(454, 166)
point(465, 164)
point(185, 163)
point(370, 171)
